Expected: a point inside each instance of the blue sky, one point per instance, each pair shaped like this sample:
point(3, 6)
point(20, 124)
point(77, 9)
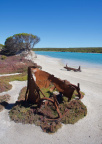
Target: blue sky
point(58, 23)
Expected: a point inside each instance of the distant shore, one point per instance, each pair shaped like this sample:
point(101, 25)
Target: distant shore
point(81, 49)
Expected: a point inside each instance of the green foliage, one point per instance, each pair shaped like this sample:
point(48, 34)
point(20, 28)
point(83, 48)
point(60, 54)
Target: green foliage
point(19, 42)
point(47, 92)
point(1, 46)
point(83, 50)
point(3, 57)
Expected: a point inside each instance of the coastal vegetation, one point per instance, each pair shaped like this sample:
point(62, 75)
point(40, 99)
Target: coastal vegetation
point(1, 46)
point(26, 113)
point(8, 65)
point(19, 42)
point(4, 81)
point(12, 60)
point(83, 50)
point(12, 64)
point(15, 45)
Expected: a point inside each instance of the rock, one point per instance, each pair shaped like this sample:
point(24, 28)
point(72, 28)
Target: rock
point(29, 55)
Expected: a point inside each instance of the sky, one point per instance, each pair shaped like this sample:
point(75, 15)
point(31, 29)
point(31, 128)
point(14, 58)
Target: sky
point(58, 23)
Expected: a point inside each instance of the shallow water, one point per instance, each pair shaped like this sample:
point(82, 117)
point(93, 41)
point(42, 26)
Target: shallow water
point(75, 59)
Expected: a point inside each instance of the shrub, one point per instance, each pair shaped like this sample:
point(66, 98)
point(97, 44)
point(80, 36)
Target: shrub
point(19, 42)
point(14, 64)
point(24, 112)
point(3, 57)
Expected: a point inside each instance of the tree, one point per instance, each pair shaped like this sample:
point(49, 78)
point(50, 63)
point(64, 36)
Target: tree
point(19, 42)
point(1, 46)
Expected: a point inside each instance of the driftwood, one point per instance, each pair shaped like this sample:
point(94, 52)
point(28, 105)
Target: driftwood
point(38, 79)
point(74, 69)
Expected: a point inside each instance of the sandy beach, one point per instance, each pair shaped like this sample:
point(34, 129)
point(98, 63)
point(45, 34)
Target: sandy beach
point(86, 131)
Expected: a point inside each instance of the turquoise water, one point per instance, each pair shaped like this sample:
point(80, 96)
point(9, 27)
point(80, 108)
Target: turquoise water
point(76, 59)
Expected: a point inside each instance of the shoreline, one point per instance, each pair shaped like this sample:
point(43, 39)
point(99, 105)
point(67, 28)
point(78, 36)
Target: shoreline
point(70, 52)
point(77, 62)
point(61, 63)
point(86, 131)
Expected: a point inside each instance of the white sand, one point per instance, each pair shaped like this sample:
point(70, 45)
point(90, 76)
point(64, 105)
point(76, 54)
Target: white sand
point(86, 131)
point(9, 74)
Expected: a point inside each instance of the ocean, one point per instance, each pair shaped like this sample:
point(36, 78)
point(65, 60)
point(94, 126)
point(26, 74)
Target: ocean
point(74, 59)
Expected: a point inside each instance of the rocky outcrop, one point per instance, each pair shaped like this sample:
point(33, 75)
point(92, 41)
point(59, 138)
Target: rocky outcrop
point(29, 55)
